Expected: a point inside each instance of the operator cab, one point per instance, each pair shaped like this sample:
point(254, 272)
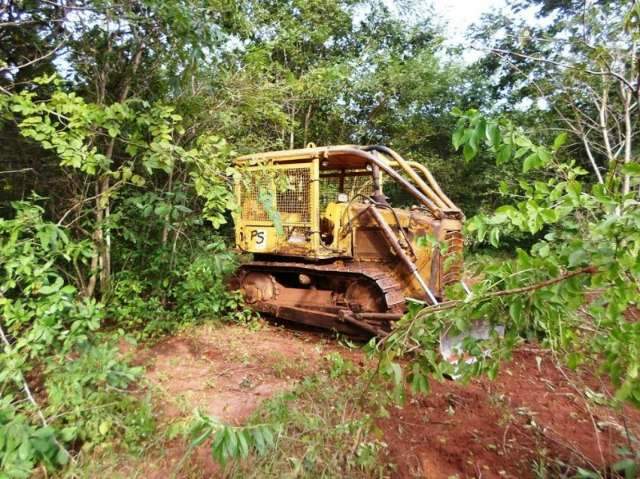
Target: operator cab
point(295, 202)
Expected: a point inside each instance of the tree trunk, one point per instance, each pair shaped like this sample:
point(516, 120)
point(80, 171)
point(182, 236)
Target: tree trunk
point(626, 184)
point(165, 227)
point(97, 241)
point(307, 121)
point(102, 208)
point(292, 127)
point(101, 262)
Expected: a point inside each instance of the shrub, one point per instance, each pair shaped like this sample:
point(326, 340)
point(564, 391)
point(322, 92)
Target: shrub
point(195, 289)
point(80, 395)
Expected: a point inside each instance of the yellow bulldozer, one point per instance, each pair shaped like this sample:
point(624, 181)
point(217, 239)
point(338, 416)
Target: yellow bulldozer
point(329, 250)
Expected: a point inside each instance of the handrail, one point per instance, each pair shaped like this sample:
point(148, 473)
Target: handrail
point(435, 209)
point(432, 189)
point(434, 184)
point(411, 172)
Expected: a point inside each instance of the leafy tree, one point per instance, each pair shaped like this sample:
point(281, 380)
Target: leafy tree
point(576, 67)
point(585, 239)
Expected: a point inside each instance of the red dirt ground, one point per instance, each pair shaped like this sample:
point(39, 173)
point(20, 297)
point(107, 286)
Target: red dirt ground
point(533, 411)
point(226, 372)
point(488, 429)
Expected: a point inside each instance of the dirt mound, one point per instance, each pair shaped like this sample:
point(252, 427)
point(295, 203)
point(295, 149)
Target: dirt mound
point(533, 417)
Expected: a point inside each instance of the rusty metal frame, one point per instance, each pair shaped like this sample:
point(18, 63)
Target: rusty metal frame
point(412, 190)
point(395, 244)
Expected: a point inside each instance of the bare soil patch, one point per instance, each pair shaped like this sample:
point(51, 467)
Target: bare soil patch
point(533, 413)
point(226, 372)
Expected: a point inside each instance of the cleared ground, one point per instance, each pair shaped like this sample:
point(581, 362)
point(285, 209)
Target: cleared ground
point(533, 415)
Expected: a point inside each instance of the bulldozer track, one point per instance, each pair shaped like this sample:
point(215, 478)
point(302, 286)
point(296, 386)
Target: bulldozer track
point(379, 273)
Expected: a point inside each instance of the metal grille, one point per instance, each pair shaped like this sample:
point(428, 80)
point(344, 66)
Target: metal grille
point(453, 257)
point(252, 198)
point(353, 185)
point(293, 200)
point(291, 197)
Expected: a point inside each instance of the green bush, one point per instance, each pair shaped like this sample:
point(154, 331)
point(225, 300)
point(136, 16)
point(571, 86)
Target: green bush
point(88, 396)
point(48, 338)
point(40, 310)
point(576, 286)
point(194, 290)
point(201, 290)
point(23, 445)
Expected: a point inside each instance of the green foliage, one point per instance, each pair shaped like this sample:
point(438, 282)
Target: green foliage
point(626, 467)
point(203, 291)
point(42, 312)
point(144, 230)
point(48, 333)
point(210, 172)
point(326, 426)
point(339, 366)
point(23, 445)
point(585, 239)
point(502, 139)
point(152, 301)
point(88, 397)
point(71, 127)
point(234, 442)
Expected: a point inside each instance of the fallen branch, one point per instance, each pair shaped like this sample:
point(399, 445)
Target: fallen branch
point(508, 292)
point(447, 305)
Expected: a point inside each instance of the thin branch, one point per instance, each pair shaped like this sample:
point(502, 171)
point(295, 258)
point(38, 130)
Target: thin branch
point(594, 165)
point(35, 60)
point(608, 72)
point(25, 384)
point(113, 187)
point(9, 172)
point(509, 292)
point(71, 7)
point(28, 22)
point(577, 130)
point(626, 187)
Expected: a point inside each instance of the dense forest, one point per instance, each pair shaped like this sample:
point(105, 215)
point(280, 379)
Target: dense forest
point(119, 123)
